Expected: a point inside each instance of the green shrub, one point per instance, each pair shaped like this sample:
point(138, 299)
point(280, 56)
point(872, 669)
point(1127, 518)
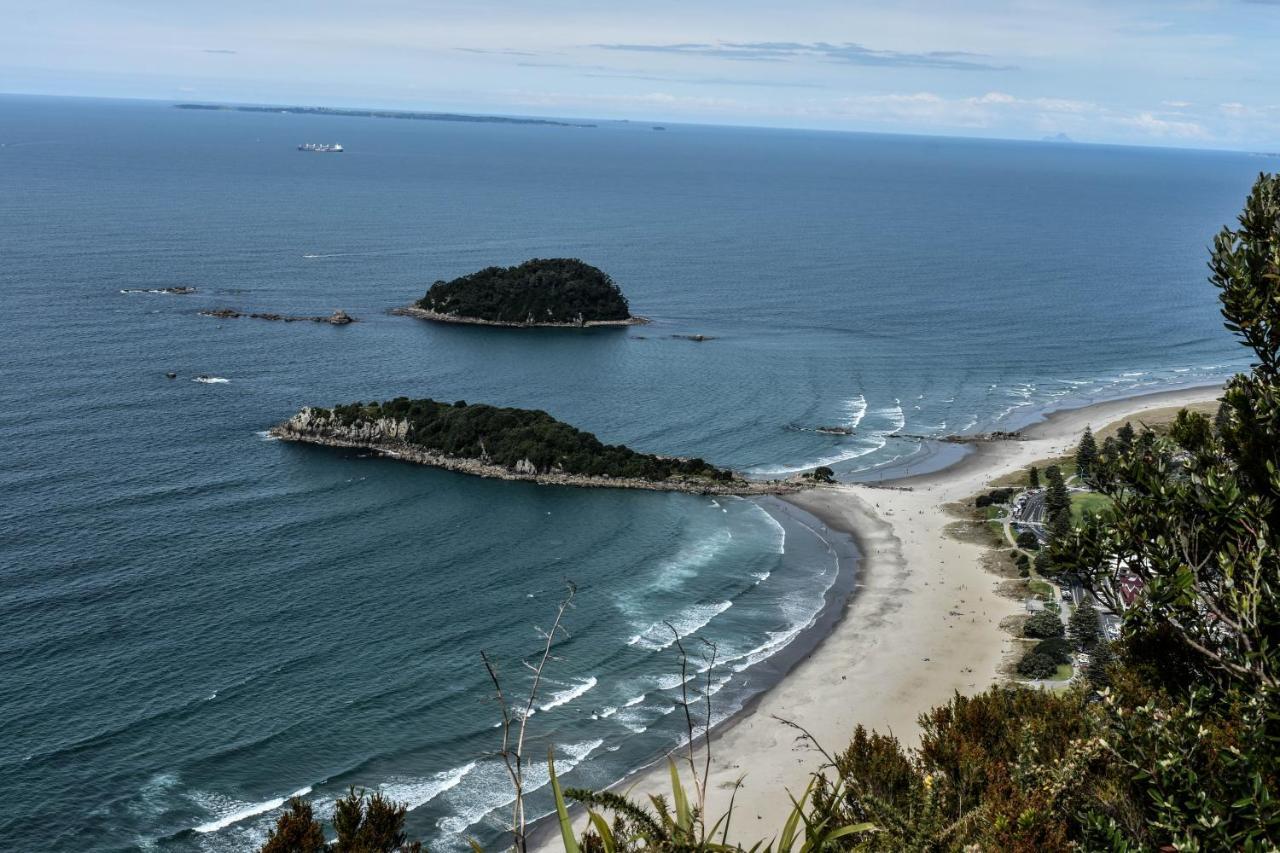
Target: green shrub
point(1043, 626)
point(1036, 665)
point(1058, 648)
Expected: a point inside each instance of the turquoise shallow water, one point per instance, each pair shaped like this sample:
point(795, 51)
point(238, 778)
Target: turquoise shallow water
point(201, 622)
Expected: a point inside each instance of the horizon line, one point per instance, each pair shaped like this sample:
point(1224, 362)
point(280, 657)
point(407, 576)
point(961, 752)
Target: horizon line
point(568, 118)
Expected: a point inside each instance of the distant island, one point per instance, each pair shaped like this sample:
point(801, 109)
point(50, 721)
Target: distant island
point(538, 292)
point(400, 114)
point(509, 444)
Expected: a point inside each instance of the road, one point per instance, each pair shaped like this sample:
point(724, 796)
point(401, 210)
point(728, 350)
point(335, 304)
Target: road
point(1030, 516)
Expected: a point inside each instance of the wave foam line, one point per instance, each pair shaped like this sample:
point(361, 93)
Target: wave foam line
point(857, 410)
point(777, 526)
point(488, 787)
point(687, 622)
point(899, 417)
point(689, 559)
point(868, 444)
point(249, 811)
point(566, 696)
point(417, 792)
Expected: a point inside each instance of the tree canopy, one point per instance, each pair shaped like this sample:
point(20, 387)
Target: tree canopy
point(541, 290)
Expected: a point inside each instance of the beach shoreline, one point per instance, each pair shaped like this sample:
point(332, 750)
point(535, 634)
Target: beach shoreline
point(921, 622)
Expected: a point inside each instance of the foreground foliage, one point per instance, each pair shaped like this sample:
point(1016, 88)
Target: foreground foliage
point(550, 290)
point(362, 824)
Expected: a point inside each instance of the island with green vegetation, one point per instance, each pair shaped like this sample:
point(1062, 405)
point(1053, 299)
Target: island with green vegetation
point(509, 444)
point(538, 292)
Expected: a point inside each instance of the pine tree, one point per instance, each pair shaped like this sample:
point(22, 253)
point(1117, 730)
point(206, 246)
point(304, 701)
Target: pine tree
point(1100, 661)
point(1086, 454)
point(363, 824)
point(1125, 436)
point(1057, 499)
point(1057, 504)
point(1033, 477)
point(1083, 625)
point(1060, 526)
point(296, 831)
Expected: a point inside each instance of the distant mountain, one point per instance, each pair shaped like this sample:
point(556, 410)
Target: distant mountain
point(1057, 137)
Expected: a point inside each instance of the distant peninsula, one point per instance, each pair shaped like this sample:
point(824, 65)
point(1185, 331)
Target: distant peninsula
point(509, 444)
point(400, 114)
point(538, 292)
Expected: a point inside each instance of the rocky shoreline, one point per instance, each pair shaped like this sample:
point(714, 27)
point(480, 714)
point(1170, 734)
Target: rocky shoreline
point(982, 437)
point(437, 317)
point(386, 437)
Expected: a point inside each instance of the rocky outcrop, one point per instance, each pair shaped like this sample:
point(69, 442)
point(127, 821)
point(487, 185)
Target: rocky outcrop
point(180, 290)
point(390, 437)
point(983, 437)
point(337, 318)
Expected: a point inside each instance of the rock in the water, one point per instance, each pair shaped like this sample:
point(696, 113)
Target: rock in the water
point(337, 318)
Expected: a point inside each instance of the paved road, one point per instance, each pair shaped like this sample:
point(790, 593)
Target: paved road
point(1032, 516)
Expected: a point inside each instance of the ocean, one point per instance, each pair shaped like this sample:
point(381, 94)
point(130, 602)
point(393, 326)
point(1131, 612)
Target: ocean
point(200, 622)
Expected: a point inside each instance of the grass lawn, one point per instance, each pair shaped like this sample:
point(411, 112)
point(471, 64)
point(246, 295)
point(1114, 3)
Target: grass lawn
point(1083, 502)
point(1041, 588)
point(1063, 673)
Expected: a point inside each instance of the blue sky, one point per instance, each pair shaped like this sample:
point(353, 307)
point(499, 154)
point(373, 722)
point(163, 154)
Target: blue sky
point(1194, 74)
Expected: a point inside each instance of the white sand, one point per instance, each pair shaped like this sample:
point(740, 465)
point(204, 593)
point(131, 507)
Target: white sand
point(899, 648)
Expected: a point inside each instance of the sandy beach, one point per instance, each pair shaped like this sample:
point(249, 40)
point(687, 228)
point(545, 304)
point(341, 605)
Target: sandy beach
point(922, 623)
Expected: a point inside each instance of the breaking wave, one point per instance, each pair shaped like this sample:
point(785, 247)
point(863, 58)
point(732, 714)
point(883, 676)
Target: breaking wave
point(417, 792)
point(565, 696)
point(234, 812)
point(689, 621)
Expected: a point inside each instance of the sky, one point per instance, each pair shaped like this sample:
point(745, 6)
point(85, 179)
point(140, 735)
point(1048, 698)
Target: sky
point(1199, 73)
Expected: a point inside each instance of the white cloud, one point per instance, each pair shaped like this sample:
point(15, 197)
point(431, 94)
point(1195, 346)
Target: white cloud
point(1152, 125)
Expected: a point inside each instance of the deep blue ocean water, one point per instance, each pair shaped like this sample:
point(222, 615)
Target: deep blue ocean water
point(199, 622)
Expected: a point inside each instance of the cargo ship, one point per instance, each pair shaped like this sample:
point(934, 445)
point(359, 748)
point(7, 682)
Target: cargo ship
point(321, 147)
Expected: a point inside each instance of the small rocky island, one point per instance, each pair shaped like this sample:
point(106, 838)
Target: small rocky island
point(337, 318)
point(509, 444)
point(539, 292)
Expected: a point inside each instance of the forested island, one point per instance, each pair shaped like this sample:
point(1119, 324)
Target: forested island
point(538, 292)
point(506, 443)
